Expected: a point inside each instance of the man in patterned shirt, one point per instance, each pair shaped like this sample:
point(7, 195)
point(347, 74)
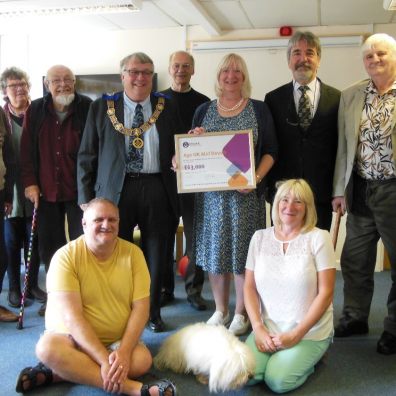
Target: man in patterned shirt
point(365, 186)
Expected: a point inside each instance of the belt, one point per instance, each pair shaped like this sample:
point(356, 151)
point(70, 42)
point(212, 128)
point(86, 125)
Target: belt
point(136, 175)
point(375, 182)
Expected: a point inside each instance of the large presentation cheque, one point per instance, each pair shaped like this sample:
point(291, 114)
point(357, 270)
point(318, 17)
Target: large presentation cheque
point(215, 161)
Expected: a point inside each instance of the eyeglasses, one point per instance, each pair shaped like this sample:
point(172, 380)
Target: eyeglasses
point(135, 73)
point(58, 81)
point(14, 87)
point(183, 66)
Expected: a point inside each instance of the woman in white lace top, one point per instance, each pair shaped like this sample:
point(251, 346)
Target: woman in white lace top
point(289, 285)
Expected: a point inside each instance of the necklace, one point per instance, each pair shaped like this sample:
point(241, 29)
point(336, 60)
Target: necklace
point(226, 109)
point(136, 132)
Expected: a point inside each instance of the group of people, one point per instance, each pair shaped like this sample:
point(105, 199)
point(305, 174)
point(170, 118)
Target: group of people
point(110, 163)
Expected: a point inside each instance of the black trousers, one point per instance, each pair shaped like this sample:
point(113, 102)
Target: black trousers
point(3, 256)
point(51, 226)
point(194, 277)
point(325, 215)
point(372, 216)
point(144, 202)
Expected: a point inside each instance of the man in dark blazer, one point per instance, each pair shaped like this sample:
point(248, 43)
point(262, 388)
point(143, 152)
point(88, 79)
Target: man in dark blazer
point(128, 161)
point(307, 148)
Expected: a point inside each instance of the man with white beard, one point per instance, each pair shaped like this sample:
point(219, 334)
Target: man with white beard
point(50, 141)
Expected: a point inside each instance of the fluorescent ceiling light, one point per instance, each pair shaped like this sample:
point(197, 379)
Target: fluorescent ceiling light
point(390, 5)
point(336, 41)
point(76, 7)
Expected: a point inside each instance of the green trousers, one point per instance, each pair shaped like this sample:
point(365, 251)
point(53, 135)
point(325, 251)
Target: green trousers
point(287, 369)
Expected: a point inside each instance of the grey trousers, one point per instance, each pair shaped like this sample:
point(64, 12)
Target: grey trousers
point(373, 215)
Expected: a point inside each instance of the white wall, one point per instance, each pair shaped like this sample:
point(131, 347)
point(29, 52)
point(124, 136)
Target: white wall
point(100, 52)
point(88, 53)
point(268, 69)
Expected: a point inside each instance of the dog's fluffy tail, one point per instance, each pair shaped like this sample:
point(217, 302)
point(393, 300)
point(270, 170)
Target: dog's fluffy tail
point(170, 356)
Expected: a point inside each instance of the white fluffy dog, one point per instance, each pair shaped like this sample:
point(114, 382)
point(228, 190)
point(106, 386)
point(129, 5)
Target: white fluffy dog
point(208, 351)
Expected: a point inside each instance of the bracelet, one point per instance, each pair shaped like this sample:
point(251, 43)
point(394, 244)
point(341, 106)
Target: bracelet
point(258, 178)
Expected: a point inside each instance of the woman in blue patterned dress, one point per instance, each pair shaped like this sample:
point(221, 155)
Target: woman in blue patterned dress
point(225, 221)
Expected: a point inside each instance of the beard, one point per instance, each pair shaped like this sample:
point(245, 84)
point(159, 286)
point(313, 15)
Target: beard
point(304, 73)
point(64, 100)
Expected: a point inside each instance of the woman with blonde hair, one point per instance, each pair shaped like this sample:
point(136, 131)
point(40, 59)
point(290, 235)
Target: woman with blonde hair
point(224, 221)
point(289, 286)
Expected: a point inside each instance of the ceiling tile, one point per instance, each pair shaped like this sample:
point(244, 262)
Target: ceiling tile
point(354, 12)
point(275, 13)
point(228, 14)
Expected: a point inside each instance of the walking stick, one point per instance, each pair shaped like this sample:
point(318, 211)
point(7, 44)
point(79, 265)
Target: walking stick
point(27, 269)
point(336, 227)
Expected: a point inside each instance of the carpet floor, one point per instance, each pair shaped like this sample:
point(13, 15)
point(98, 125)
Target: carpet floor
point(351, 367)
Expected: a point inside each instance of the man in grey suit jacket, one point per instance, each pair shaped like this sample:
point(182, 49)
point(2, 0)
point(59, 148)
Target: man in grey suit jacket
point(365, 186)
point(109, 167)
point(305, 150)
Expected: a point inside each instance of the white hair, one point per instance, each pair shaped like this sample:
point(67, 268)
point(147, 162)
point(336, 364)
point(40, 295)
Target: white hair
point(377, 38)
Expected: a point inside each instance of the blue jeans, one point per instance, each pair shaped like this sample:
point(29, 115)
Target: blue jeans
point(286, 369)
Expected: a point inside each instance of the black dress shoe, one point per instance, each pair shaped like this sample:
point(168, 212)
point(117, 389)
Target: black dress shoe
point(386, 344)
point(14, 298)
point(42, 309)
point(346, 328)
point(37, 294)
point(156, 325)
point(197, 302)
point(166, 298)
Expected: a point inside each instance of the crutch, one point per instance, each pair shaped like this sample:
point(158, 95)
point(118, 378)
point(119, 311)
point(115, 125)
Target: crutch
point(336, 227)
point(27, 269)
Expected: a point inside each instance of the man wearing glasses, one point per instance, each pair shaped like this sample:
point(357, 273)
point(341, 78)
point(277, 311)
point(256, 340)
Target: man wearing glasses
point(50, 140)
point(186, 100)
point(126, 157)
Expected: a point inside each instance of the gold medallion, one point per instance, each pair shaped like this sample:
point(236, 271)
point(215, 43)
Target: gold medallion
point(137, 143)
point(139, 131)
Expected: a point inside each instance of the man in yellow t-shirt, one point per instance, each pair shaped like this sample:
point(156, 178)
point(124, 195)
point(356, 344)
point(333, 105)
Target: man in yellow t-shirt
point(98, 304)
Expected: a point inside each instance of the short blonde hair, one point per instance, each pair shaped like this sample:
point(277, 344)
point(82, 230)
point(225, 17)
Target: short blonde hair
point(302, 191)
point(237, 60)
